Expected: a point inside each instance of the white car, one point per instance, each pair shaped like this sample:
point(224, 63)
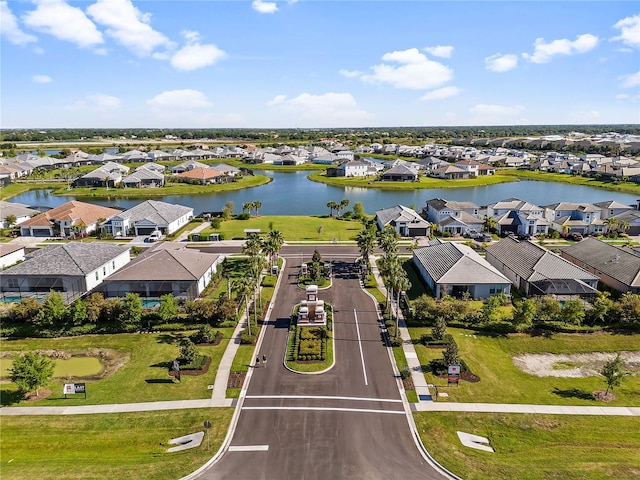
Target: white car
point(155, 236)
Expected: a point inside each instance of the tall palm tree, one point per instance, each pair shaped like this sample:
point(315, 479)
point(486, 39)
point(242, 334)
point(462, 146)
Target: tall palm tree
point(366, 240)
point(243, 287)
point(388, 240)
point(624, 225)
point(247, 206)
point(611, 223)
point(488, 223)
point(331, 205)
point(273, 244)
point(257, 205)
point(402, 284)
point(344, 203)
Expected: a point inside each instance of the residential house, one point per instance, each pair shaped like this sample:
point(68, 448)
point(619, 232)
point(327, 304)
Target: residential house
point(400, 173)
point(134, 156)
point(345, 155)
point(450, 268)
point(450, 172)
point(202, 175)
point(154, 167)
point(451, 216)
point(147, 217)
point(21, 212)
point(10, 254)
point(570, 217)
point(617, 268)
point(66, 220)
point(187, 166)
point(519, 217)
point(168, 268)
point(226, 170)
point(536, 271)
point(73, 269)
point(354, 168)
point(107, 176)
point(143, 177)
point(405, 221)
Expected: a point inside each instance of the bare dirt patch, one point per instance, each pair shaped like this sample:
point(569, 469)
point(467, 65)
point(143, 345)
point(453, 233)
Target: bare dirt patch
point(577, 365)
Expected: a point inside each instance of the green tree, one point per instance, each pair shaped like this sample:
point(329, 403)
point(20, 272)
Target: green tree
point(331, 205)
point(366, 240)
point(491, 309)
point(188, 351)
point(225, 308)
point(131, 311)
point(612, 372)
point(168, 307)
point(450, 356)
point(600, 308)
point(548, 309)
point(439, 329)
point(78, 312)
point(30, 371)
point(388, 240)
point(257, 205)
point(227, 210)
point(358, 210)
point(95, 304)
point(489, 224)
point(344, 203)
point(25, 311)
point(524, 311)
point(54, 311)
point(10, 220)
point(572, 312)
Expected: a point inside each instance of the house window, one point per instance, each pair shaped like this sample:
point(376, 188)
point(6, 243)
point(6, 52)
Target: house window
point(97, 275)
point(493, 289)
point(13, 283)
point(104, 270)
point(113, 264)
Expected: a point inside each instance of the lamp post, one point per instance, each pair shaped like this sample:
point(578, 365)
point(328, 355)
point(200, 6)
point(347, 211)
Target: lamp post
point(207, 426)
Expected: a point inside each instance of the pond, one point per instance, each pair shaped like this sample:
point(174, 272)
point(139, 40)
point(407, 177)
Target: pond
point(78, 366)
point(291, 193)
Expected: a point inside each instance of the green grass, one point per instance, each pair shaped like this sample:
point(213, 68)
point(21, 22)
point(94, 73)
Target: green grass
point(401, 362)
point(169, 189)
point(118, 445)
point(490, 357)
point(294, 228)
point(625, 187)
point(143, 378)
point(425, 182)
point(18, 188)
point(534, 446)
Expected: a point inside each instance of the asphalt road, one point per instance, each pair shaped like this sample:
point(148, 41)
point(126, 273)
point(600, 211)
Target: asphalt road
point(347, 423)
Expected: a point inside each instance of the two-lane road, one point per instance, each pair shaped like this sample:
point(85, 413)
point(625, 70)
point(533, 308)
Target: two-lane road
point(347, 423)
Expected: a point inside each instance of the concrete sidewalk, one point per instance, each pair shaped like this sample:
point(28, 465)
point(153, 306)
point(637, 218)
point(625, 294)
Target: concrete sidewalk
point(419, 382)
point(524, 408)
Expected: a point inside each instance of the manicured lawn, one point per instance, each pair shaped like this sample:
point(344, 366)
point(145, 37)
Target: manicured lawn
point(626, 187)
point(534, 446)
point(425, 182)
point(118, 445)
point(17, 188)
point(490, 357)
point(143, 377)
point(292, 227)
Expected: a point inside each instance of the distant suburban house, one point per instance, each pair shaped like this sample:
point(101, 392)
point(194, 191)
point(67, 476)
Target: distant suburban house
point(73, 269)
point(536, 271)
point(451, 172)
point(405, 221)
point(451, 216)
point(570, 217)
point(10, 254)
point(143, 177)
point(227, 170)
point(168, 268)
point(518, 216)
point(202, 175)
point(617, 268)
point(106, 176)
point(354, 168)
point(69, 219)
point(155, 167)
point(18, 210)
point(450, 268)
point(187, 166)
point(147, 217)
point(400, 173)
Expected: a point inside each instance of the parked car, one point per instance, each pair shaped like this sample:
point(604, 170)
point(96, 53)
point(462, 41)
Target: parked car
point(471, 233)
point(576, 237)
point(155, 236)
point(524, 236)
point(485, 237)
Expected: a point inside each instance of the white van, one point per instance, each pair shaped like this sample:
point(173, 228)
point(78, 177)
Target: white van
point(155, 236)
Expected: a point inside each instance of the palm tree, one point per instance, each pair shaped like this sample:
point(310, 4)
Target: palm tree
point(344, 203)
point(248, 206)
point(243, 287)
point(366, 240)
point(611, 223)
point(331, 205)
point(253, 245)
point(402, 284)
point(273, 244)
point(624, 225)
point(388, 240)
point(488, 223)
point(257, 205)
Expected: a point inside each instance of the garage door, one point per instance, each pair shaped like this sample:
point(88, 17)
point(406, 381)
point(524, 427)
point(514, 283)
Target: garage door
point(146, 230)
point(41, 232)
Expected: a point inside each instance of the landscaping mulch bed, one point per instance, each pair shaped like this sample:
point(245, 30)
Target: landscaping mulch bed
point(236, 379)
point(407, 383)
point(201, 371)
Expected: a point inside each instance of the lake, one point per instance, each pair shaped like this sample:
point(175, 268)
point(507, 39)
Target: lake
point(290, 193)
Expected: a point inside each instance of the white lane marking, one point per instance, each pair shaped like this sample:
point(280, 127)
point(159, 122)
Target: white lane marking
point(249, 448)
point(325, 397)
point(328, 409)
point(364, 369)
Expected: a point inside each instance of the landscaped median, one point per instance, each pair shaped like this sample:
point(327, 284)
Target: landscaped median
point(310, 348)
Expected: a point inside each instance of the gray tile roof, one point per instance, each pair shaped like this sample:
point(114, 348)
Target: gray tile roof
point(441, 204)
point(17, 209)
point(399, 213)
point(450, 262)
point(608, 259)
point(74, 259)
point(159, 213)
point(533, 262)
point(166, 264)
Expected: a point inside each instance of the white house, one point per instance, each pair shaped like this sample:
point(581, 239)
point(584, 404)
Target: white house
point(10, 254)
point(147, 217)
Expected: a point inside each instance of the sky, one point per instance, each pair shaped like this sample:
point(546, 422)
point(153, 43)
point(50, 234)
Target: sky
point(317, 63)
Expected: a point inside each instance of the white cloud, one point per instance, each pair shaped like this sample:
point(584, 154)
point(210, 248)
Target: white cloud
point(440, 93)
point(501, 63)
point(496, 111)
point(128, 26)
point(10, 29)
point(350, 73)
point(415, 72)
point(264, 7)
point(589, 115)
point(323, 110)
point(103, 102)
point(629, 31)
point(64, 22)
point(194, 55)
point(443, 51)
point(41, 79)
point(277, 100)
point(179, 99)
point(543, 52)
point(627, 97)
point(631, 80)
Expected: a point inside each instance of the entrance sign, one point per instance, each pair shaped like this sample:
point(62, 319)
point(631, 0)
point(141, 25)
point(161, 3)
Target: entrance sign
point(453, 374)
point(73, 388)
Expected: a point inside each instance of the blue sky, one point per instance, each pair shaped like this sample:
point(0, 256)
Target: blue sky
point(314, 63)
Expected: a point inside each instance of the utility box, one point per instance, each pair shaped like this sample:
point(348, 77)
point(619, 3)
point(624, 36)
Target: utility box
point(274, 270)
